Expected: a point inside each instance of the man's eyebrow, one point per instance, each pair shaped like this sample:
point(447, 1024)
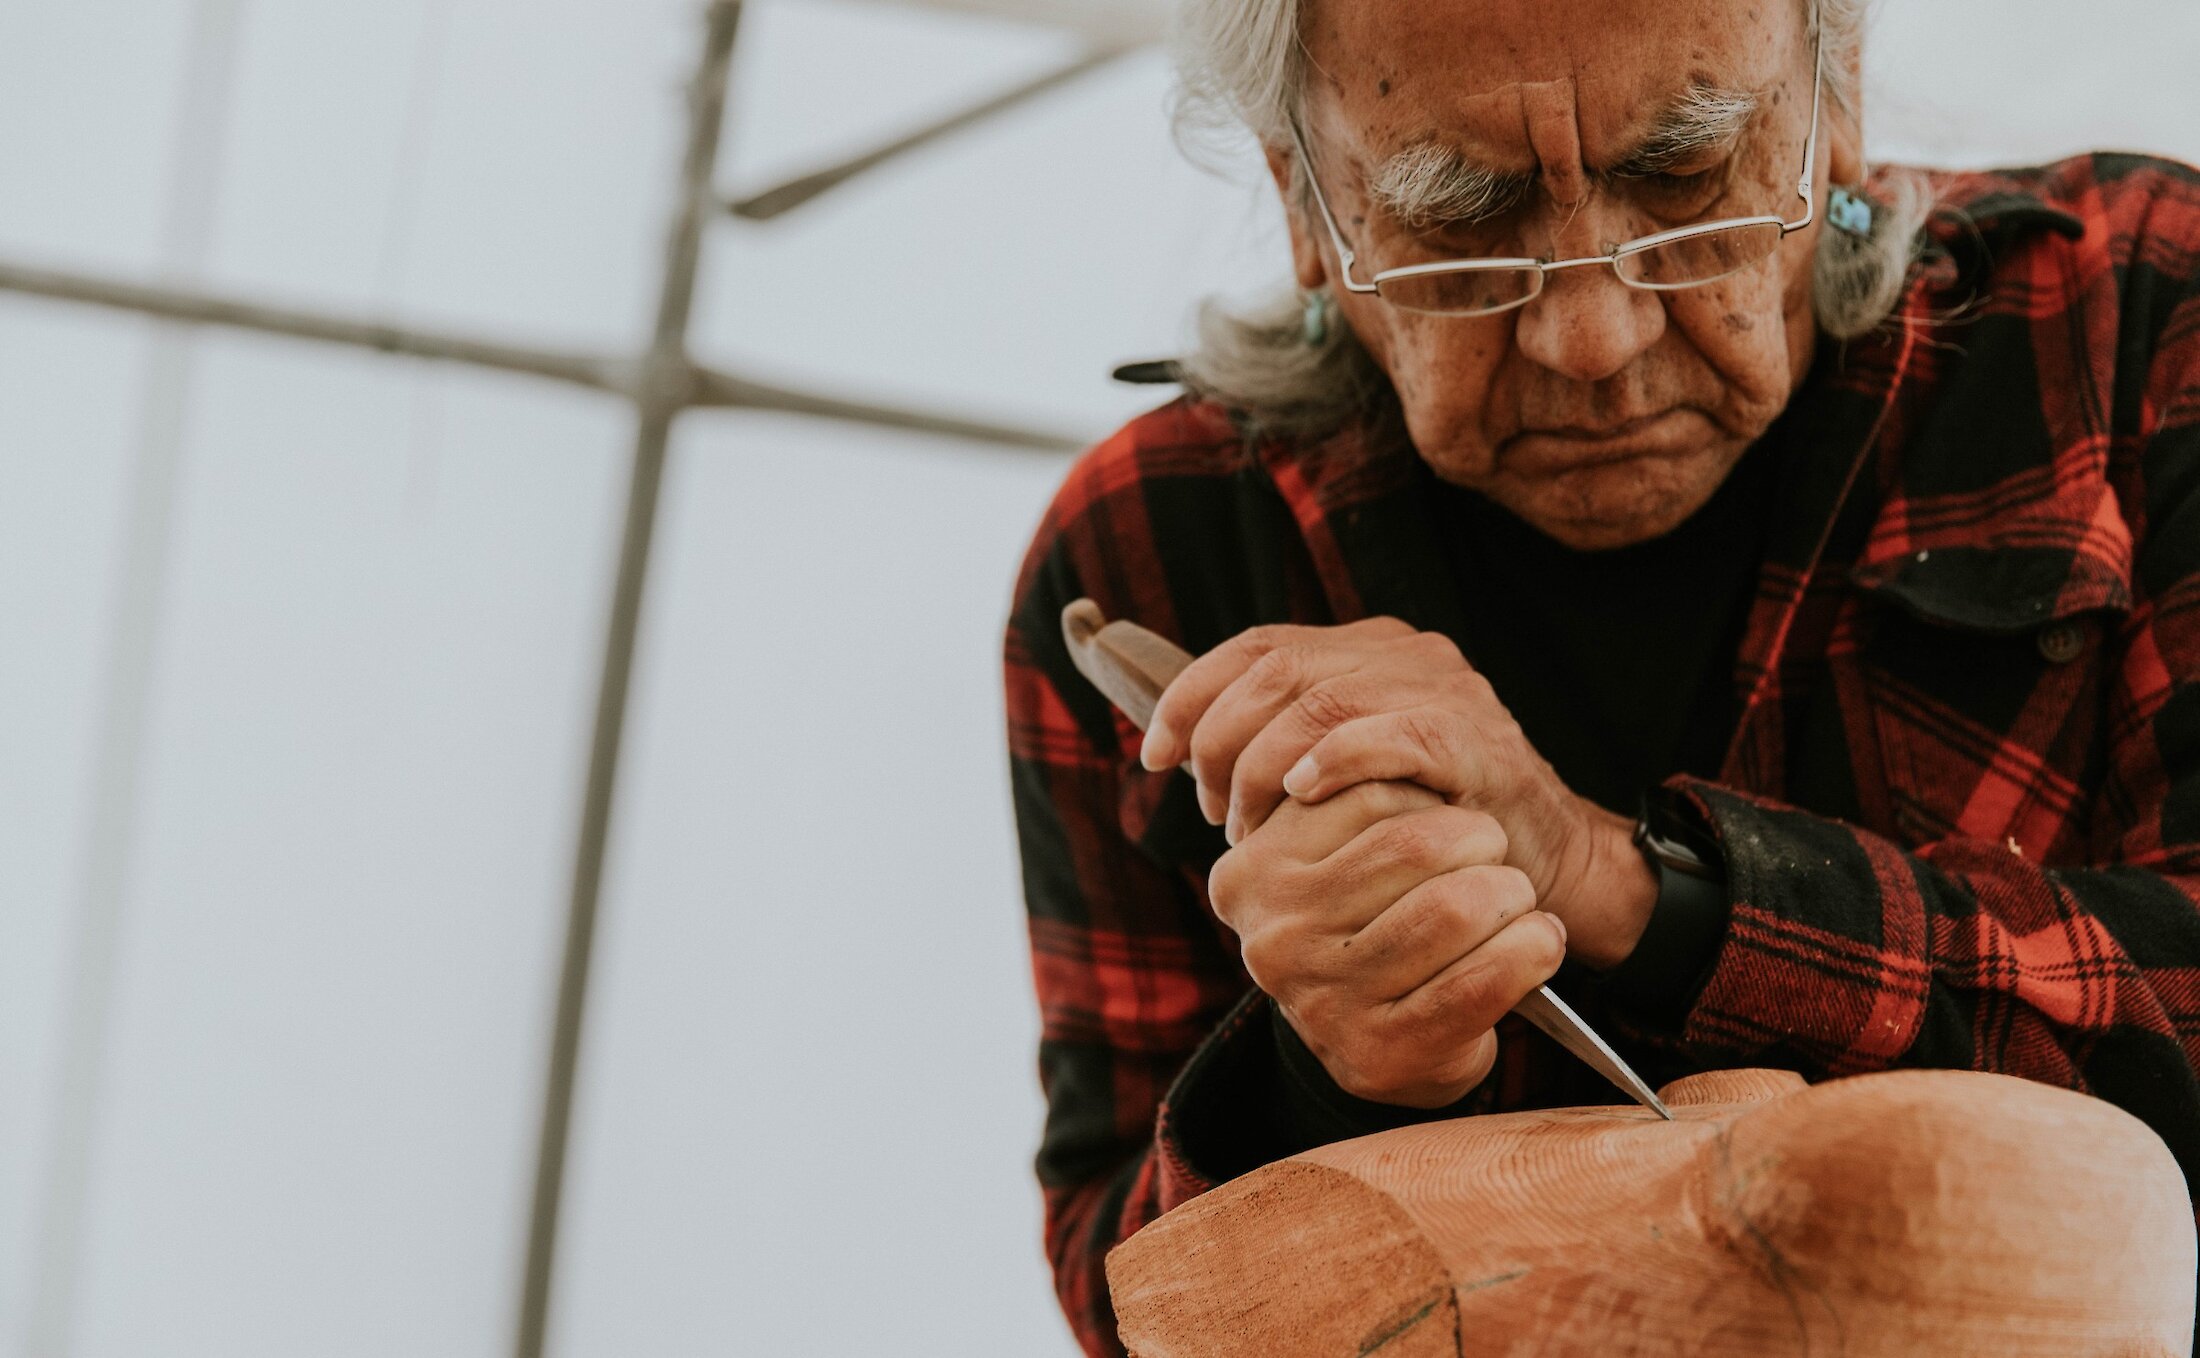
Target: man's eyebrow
point(1703, 119)
point(1429, 183)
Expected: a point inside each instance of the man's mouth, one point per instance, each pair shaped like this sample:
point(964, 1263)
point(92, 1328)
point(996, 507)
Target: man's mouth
point(1560, 448)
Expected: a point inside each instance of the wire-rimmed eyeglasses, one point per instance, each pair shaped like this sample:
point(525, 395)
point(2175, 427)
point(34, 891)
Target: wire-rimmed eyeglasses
point(1665, 261)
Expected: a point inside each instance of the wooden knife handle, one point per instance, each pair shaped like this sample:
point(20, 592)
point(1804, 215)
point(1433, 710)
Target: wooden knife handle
point(1123, 660)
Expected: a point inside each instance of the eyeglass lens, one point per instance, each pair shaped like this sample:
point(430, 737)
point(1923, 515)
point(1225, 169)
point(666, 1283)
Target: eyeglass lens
point(1686, 262)
point(1463, 292)
point(1700, 259)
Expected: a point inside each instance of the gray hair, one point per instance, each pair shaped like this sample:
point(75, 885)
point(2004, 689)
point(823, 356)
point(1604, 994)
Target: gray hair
point(1241, 68)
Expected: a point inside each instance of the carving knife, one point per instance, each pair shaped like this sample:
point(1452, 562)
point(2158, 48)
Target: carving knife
point(1132, 666)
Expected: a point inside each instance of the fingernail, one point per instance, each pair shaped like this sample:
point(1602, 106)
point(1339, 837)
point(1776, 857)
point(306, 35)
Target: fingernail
point(1300, 780)
point(1559, 922)
point(1231, 831)
point(1149, 751)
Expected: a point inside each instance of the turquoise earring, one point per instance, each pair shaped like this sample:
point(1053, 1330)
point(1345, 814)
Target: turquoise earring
point(1314, 322)
point(1849, 212)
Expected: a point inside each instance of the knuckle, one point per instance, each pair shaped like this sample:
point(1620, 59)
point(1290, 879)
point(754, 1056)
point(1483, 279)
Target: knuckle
point(1475, 988)
point(1399, 1074)
point(1489, 829)
point(1206, 747)
point(1279, 670)
point(1495, 885)
point(1427, 733)
point(1427, 1045)
point(1264, 638)
point(1438, 647)
point(1512, 888)
point(1242, 880)
point(1225, 885)
point(1275, 956)
point(1455, 821)
point(1489, 898)
point(1411, 840)
point(1329, 705)
point(1369, 1070)
point(1258, 949)
point(1477, 833)
point(1434, 905)
point(1473, 1062)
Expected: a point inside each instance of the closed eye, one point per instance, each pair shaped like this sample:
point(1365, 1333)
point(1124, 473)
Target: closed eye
point(1677, 191)
point(1669, 171)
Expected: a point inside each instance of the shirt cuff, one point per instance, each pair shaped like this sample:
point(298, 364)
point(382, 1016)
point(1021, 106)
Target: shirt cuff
point(1826, 966)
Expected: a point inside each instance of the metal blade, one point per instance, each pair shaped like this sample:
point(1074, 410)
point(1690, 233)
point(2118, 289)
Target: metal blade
point(1565, 1027)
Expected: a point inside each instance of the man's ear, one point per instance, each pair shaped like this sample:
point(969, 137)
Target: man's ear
point(1845, 131)
point(1307, 263)
point(1845, 152)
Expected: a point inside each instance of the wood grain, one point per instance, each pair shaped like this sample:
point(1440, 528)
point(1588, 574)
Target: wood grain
point(1909, 1212)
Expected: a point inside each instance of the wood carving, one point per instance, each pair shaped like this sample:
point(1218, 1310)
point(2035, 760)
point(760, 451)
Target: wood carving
point(1909, 1212)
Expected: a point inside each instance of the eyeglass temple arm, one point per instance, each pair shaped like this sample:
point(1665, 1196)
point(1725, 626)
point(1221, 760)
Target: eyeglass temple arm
point(1807, 186)
point(1345, 257)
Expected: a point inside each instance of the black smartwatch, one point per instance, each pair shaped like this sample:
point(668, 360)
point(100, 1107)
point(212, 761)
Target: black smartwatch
point(1674, 841)
point(1661, 978)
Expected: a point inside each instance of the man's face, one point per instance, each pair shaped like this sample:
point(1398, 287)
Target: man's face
point(1599, 413)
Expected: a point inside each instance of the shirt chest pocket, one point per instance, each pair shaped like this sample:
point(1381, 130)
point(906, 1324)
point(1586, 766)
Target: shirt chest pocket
point(1980, 676)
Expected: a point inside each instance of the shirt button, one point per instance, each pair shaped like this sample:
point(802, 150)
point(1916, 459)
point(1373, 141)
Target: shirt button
point(2060, 642)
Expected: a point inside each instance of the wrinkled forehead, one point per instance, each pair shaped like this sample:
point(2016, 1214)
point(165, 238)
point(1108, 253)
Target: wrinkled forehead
point(1513, 83)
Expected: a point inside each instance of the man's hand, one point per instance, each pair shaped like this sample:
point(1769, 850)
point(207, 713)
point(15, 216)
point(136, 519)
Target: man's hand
point(1390, 934)
point(1306, 712)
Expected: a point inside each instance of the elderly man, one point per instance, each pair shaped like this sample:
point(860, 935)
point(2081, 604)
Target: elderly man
point(1647, 552)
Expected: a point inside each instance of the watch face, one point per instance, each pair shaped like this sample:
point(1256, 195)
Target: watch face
point(1675, 855)
point(1674, 839)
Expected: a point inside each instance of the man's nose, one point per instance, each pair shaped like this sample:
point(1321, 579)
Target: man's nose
point(1586, 324)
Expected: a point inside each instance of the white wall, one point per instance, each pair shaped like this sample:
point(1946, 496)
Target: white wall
point(808, 1099)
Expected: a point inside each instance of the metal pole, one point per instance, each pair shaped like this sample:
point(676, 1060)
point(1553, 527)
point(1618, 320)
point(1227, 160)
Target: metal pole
point(667, 377)
point(197, 306)
point(132, 651)
point(724, 390)
point(620, 376)
point(784, 197)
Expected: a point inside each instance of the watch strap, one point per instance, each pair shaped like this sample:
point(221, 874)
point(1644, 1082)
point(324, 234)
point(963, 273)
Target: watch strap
point(1660, 980)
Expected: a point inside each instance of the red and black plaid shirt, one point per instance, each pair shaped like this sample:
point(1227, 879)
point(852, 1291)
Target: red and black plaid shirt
point(1960, 810)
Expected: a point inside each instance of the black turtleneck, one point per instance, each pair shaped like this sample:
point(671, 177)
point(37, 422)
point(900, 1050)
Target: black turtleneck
point(1619, 664)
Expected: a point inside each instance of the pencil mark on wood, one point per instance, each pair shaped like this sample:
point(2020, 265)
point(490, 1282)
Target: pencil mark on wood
point(1380, 1338)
